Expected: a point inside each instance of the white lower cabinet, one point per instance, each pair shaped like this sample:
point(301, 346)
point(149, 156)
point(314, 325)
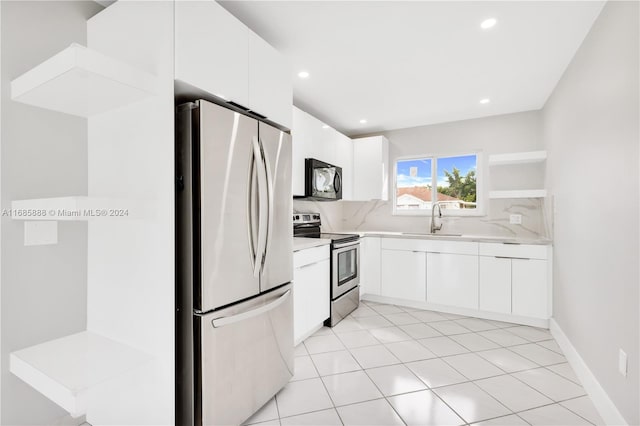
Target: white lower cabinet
point(404, 274)
point(452, 280)
point(514, 279)
point(529, 288)
point(370, 266)
point(496, 278)
point(495, 284)
point(311, 296)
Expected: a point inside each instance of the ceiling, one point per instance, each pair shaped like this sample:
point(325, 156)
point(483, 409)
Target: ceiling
point(401, 64)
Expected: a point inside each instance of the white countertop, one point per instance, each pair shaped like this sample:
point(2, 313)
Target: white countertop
point(444, 236)
point(301, 243)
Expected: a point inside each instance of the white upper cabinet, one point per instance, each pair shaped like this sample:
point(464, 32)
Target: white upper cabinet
point(311, 138)
point(207, 37)
point(218, 54)
point(302, 147)
point(270, 87)
point(371, 168)
point(344, 159)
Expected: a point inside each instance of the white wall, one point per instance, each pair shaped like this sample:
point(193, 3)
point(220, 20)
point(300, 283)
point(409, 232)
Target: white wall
point(43, 154)
point(490, 135)
point(590, 126)
point(131, 277)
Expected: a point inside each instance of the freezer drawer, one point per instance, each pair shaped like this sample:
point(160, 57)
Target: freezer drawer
point(245, 357)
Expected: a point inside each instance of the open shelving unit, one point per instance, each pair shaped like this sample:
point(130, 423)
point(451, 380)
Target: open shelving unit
point(65, 369)
point(517, 158)
point(523, 193)
point(82, 82)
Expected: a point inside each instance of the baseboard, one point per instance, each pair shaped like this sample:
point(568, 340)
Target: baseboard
point(309, 333)
point(516, 319)
point(606, 408)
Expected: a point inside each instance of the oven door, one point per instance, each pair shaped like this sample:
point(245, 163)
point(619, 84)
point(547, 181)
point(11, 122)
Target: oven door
point(345, 269)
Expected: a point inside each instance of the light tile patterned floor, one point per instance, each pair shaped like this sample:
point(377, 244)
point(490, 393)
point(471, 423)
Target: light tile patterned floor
point(391, 365)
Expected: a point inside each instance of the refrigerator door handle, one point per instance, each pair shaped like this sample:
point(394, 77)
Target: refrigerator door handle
point(251, 207)
point(270, 192)
point(262, 202)
point(221, 322)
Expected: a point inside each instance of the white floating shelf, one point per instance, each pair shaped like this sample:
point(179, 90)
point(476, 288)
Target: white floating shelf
point(78, 208)
point(517, 158)
point(525, 193)
point(82, 82)
point(64, 369)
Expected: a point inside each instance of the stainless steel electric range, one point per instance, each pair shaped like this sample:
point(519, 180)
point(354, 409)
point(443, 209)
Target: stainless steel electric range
point(345, 265)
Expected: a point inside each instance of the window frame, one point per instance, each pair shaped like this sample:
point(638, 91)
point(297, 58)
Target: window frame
point(480, 199)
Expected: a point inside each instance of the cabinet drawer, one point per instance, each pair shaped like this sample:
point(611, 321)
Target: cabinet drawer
point(403, 244)
point(513, 250)
point(310, 255)
point(453, 247)
point(440, 246)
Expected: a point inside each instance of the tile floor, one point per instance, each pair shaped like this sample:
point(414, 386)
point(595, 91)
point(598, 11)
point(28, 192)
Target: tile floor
point(392, 365)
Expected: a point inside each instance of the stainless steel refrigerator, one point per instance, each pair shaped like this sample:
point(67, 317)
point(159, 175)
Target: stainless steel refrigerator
point(234, 265)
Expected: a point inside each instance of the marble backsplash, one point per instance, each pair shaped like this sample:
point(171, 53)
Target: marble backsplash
point(330, 212)
point(378, 216)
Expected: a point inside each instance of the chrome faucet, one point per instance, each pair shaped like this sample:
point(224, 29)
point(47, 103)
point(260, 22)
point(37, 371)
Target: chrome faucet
point(435, 228)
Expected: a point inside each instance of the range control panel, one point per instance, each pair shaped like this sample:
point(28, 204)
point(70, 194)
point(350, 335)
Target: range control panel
point(306, 218)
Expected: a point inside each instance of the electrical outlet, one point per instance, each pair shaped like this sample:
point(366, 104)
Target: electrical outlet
point(622, 363)
point(40, 232)
point(515, 219)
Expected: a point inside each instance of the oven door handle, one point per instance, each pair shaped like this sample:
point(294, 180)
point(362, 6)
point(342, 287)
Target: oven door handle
point(349, 244)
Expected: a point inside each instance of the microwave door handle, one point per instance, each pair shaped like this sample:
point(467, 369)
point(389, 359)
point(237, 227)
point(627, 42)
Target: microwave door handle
point(262, 203)
point(337, 183)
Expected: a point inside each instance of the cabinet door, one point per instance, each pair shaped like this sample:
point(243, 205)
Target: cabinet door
point(344, 159)
point(403, 274)
point(302, 145)
point(529, 288)
point(452, 280)
point(311, 297)
point(371, 168)
point(270, 87)
point(370, 266)
point(211, 50)
point(495, 284)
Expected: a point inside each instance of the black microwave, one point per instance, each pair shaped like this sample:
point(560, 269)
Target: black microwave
point(323, 181)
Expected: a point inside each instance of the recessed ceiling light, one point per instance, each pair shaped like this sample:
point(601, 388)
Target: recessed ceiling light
point(303, 74)
point(325, 126)
point(485, 101)
point(363, 121)
point(488, 23)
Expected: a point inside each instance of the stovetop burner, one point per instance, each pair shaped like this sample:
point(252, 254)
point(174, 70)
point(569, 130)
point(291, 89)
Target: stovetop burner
point(308, 225)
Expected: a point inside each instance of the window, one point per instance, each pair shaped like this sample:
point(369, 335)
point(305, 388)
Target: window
point(451, 181)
